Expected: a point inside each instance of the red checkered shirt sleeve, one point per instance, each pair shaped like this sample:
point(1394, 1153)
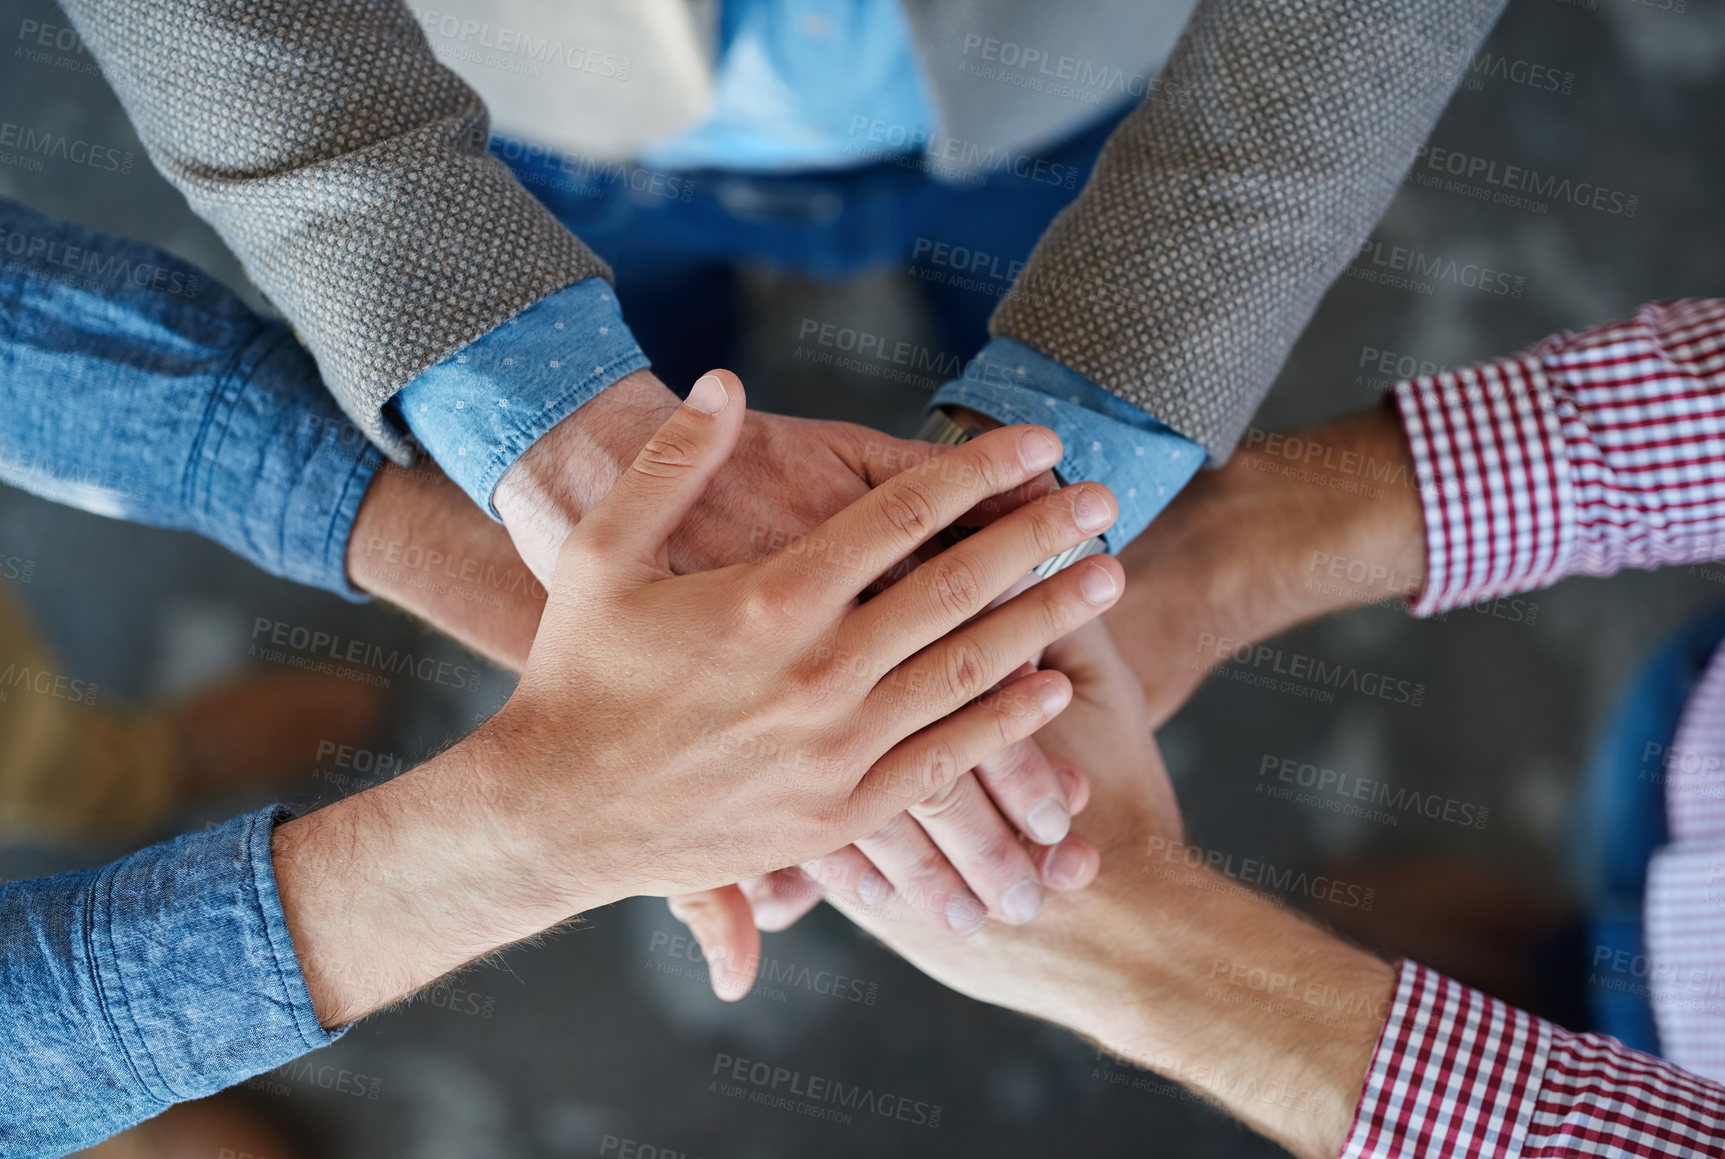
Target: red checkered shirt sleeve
point(1459, 1073)
point(1592, 451)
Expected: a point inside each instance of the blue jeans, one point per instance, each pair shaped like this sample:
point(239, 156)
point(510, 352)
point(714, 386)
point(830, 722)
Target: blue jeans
point(674, 239)
point(1623, 819)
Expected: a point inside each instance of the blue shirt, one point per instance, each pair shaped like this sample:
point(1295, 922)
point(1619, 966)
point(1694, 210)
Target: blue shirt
point(137, 387)
point(791, 78)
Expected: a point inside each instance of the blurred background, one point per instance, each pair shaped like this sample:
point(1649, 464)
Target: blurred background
point(609, 1033)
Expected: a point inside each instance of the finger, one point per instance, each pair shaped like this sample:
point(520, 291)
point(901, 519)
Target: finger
point(922, 879)
point(961, 581)
point(982, 848)
point(850, 881)
point(1025, 784)
point(780, 898)
point(950, 673)
point(722, 923)
point(922, 764)
point(900, 515)
point(1070, 865)
point(1076, 786)
point(629, 527)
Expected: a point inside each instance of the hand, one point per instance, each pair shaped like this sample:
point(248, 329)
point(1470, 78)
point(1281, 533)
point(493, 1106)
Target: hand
point(678, 732)
point(784, 476)
point(1273, 539)
point(1156, 960)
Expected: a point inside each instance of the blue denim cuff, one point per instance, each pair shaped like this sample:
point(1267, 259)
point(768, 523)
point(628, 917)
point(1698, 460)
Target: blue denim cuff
point(278, 472)
point(477, 411)
point(1106, 439)
point(164, 976)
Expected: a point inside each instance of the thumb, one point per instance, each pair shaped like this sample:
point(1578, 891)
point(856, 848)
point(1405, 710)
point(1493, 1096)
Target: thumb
point(631, 524)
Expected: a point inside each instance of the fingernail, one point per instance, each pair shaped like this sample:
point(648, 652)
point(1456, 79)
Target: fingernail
point(1038, 451)
point(965, 915)
point(1052, 698)
point(1022, 902)
point(1091, 514)
point(1049, 822)
point(1097, 584)
point(1064, 866)
point(708, 395)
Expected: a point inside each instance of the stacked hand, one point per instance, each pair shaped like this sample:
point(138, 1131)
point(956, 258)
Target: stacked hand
point(955, 859)
point(786, 717)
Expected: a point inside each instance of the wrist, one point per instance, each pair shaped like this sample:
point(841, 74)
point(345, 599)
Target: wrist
point(545, 492)
point(391, 889)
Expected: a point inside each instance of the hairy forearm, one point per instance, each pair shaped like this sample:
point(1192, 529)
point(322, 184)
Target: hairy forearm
point(1252, 1006)
point(393, 888)
point(1294, 527)
point(421, 544)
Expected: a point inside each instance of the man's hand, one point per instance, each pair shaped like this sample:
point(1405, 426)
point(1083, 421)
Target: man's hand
point(674, 733)
point(1165, 964)
point(785, 476)
point(1294, 527)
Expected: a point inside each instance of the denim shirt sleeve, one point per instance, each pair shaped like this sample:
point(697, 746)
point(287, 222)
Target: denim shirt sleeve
point(135, 386)
point(1106, 438)
point(479, 409)
point(164, 976)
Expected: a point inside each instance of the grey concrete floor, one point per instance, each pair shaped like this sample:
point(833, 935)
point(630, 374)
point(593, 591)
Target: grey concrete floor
point(609, 1031)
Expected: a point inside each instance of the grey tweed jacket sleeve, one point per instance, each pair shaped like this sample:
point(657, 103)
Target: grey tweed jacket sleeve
point(346, 168)
point(1221, 210)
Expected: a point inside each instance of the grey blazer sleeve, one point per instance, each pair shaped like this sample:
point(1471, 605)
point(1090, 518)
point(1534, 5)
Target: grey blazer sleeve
point(346, 168)
point(1221, 210)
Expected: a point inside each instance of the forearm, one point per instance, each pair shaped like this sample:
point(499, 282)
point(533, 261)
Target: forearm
point(392, 888)
point(421, 544)
point(1292, 528)
point(1241, 1000)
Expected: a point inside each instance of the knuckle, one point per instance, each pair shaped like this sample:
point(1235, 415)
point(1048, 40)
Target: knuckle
point(957, 586)
point(765, 608)
point(669, 453)
point(940, 803)
point(939, 768)
point(967, 671)
point(909, 511)
point(1049, 531)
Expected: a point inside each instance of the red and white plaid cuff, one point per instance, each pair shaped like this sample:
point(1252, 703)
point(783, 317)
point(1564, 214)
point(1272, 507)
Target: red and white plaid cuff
point(1459, 1073)
point(1455, 1073)
point(1494, 480)
point(1589, 453)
